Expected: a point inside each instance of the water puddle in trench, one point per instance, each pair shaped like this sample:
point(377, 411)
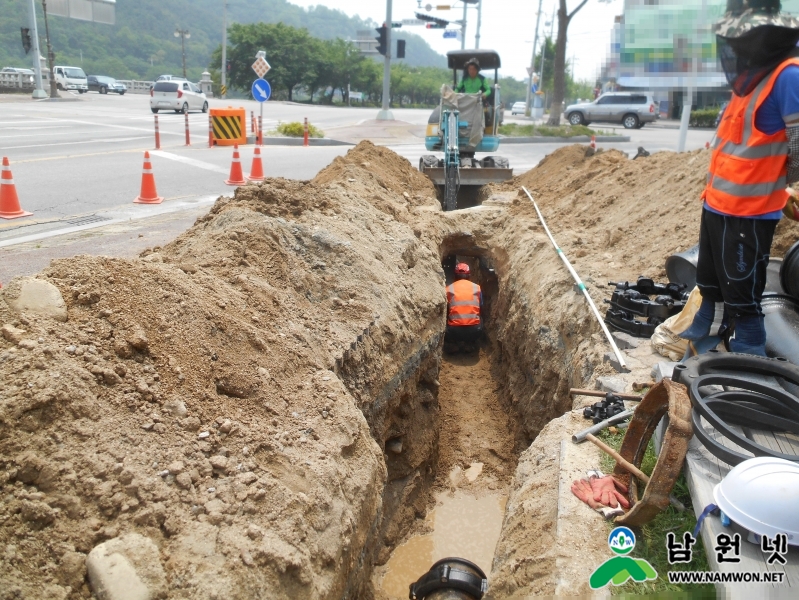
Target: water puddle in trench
point(476, 461)
point(463, 525)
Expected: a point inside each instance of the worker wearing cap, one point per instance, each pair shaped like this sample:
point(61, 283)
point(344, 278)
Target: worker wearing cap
point(472, 82)
point(755, 157)
point(464, 309)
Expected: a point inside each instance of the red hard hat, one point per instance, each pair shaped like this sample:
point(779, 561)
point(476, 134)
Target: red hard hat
point(461, 269)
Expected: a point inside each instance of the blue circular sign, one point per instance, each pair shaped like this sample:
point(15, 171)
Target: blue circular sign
point(261, 90)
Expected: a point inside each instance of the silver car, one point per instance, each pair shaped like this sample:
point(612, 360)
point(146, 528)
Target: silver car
point(178, 95)
point(631, 109)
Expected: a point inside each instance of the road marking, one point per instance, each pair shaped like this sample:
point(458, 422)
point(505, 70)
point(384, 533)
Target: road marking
point(129, 213)
point(190, 161)
point(68, 156)
point(108, 141)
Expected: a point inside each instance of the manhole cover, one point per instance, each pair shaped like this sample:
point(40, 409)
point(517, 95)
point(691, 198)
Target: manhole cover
point(88, 220)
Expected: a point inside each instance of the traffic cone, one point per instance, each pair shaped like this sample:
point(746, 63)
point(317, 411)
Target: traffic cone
point(9, 201)
point(236, 176)
point(257, 171)
point(148, 194)
point(593, 142)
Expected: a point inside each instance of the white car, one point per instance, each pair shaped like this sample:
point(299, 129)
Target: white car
point(518, 108)
point(180, 96)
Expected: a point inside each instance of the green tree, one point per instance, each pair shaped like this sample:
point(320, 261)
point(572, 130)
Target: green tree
point(291, 52)
point(560, 76)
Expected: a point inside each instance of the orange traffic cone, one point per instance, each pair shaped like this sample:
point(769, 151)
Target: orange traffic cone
point(593, 142)
point(148, 194)
point(9, 201)
point(257, 171)
point(236, 176)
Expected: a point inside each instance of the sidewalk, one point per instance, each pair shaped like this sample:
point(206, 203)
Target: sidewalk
point(382, 133)
point(110, 233)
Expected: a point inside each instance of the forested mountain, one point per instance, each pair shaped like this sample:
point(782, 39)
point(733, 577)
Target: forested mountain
point(142, 44)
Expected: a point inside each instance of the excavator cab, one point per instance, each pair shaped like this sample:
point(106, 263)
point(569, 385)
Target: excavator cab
point(462, 126)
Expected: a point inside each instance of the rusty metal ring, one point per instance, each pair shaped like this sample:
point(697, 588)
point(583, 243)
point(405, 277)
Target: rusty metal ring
point(664, 398)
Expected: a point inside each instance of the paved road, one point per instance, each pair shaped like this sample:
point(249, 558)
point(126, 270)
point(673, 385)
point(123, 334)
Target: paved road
point(77, 164)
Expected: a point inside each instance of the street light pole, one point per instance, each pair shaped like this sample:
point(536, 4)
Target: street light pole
point(224, 47)
point(463, 28)
point(532, 63)
point(479, 21)
point(183, 34)
point(39, 92)
point(50, 55)
point(385, 113)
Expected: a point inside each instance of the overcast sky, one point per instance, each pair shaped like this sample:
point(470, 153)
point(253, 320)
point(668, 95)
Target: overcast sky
point(507, 27)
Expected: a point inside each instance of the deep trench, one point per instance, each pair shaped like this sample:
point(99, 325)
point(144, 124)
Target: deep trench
point(438, 420)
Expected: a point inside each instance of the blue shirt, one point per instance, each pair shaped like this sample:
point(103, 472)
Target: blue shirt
point(781, 105)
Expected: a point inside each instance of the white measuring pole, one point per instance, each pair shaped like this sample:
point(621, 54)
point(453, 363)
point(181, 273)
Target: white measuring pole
point(580, 285)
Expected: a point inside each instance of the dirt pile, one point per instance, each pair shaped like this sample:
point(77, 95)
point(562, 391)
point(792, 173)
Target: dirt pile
point(192, 396)
point(624, 215)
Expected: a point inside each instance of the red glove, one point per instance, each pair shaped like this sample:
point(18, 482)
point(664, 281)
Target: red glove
point(606, 493)
point(582, 489)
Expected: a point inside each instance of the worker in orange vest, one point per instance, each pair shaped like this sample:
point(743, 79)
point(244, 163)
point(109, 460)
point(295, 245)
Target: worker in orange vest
point(464, 311)
point(755, 157)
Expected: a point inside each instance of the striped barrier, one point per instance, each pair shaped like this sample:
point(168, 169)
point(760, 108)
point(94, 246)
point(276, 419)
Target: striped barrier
point(229, 126)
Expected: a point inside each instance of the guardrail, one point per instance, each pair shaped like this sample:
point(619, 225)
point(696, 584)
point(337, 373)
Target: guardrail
point(137, 87)
point(10, 82)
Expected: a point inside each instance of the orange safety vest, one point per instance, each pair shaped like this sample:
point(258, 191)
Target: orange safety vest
point(463, 303)
point(748, 168)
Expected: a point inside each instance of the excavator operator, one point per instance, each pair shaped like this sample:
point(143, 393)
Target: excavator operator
point(464, 312)
point(474, 83)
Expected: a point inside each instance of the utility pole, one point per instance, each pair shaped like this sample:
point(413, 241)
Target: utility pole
point(224, 47)
point(385, 113)
point(532, 63)
point(183, 34)
point(39, 92)
point(690, 91)
point(50, 55)
point(479, 22)
point(544, 47)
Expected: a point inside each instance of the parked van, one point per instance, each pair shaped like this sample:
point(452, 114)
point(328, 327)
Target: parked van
point(71, 78)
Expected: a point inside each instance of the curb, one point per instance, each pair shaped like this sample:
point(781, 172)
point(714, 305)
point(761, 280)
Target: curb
point(278, 141)
point(561, 140)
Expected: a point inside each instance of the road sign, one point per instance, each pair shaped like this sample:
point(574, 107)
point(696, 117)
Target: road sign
point(413, 22)
point(261, 67)
point(261, 90)
point(451, 33)
point(529, 70)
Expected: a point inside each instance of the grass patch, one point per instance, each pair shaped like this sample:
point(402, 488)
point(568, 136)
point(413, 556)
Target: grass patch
point(651, 538)
point(531, 130)
point(297, 129)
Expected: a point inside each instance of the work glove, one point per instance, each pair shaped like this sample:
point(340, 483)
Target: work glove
point(583, 490)
point(606, 492)
point(791, 209)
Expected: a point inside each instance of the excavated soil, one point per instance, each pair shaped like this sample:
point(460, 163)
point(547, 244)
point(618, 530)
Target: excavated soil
point(265, 397)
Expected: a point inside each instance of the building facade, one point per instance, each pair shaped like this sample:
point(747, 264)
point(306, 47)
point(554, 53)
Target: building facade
point(667, 47)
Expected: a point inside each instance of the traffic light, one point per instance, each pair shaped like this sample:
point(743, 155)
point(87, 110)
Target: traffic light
point(26, 39)
point(382, 45)
point(432, 22)
point(400, 48)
